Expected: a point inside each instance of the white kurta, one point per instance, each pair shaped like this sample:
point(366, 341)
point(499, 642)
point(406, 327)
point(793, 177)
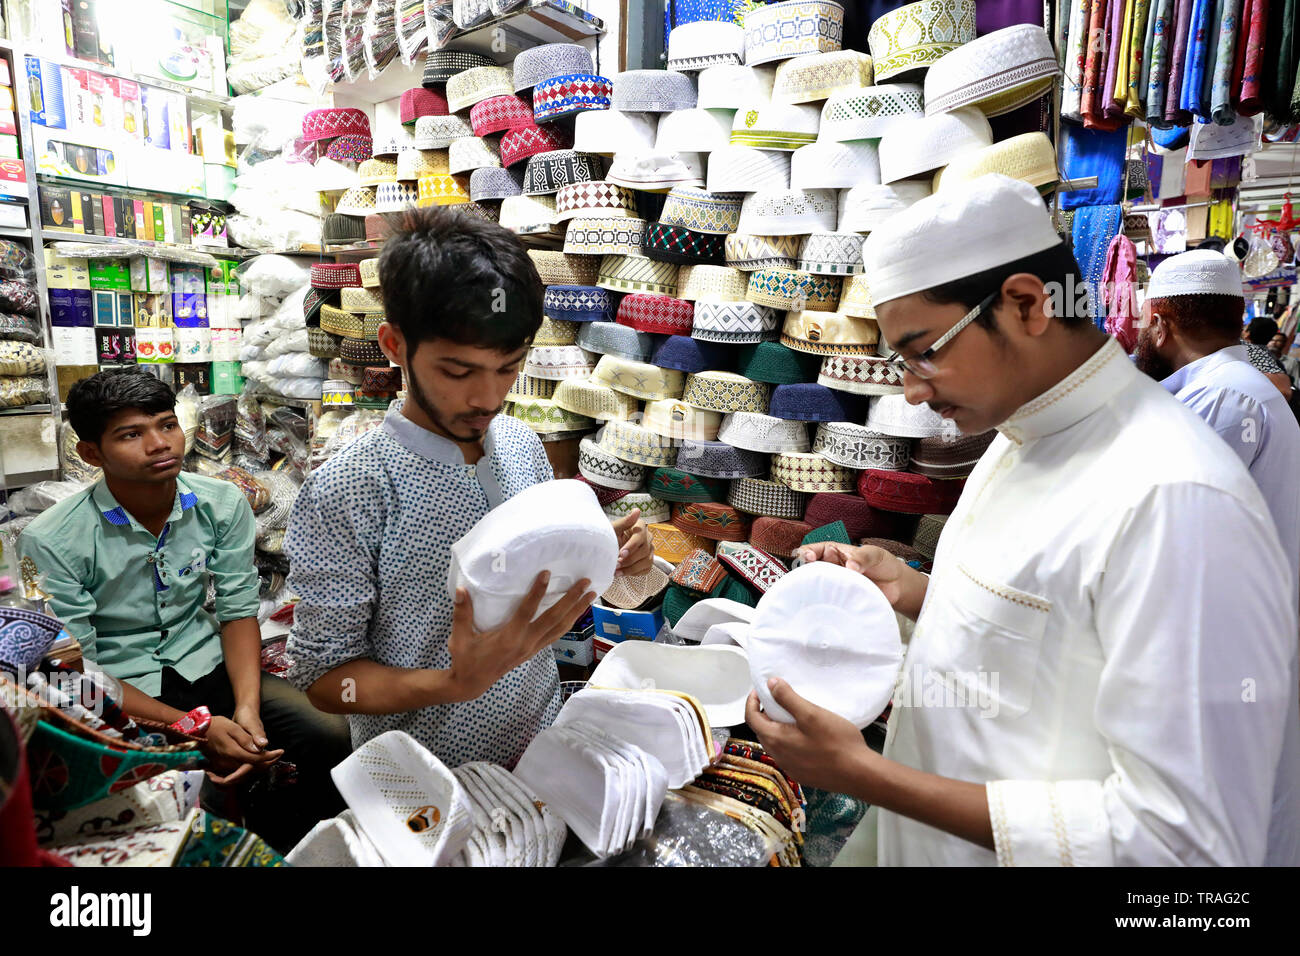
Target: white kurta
point(1107, 641)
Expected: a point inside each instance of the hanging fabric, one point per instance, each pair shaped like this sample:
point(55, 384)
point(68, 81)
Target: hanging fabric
point(1076, 57)
point(1158, 67)
point(1199, 41)
point(1093, 229)
point(1174, 114)
point(1137, 59)
point(1249, 57)
point(1118, 290)
point(1225, 54)
point(1112, 107)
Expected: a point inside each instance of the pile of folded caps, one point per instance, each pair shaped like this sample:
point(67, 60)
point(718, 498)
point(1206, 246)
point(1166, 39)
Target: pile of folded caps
point(343, 317)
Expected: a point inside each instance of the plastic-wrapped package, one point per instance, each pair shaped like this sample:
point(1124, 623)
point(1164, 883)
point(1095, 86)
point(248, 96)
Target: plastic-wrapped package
point(439, 23)
point(501, 7)
point(283, 490)
point(23, 358)
point(354, 40)
point(187, 413)
point(307, 389)
point(18, 390)
point(312, 26)
point(380, 36)
point(688, 834)
point(289, 313)
point(250, 434)
point(297, 365)
point(257, 494)
point(75, 468)
point(19, 328)
point(275, 276)
point(334, 39)
point(214, 438)
point(34, 499)
point(278, 229)
point(337, 429)
point(15, 260)
point(470, 13)
point(271, 124)
point(18, 295)
point(295, 341)
point(411, 35)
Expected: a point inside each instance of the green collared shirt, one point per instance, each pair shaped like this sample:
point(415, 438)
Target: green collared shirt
point(135, 601)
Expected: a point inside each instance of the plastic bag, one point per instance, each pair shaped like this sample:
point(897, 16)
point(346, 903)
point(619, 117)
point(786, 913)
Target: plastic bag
point(18, 390)
point(439, 23)
point(688, 834)
point(283, 489)
point(250, 434)
point(297, 365)
point(284, 343)
point(75, 468)
point(19, 296)
point(214, 438)
point(20, 328)
point(271, 276)
point(502, 7)
point(254, 491)
point(411, 34)
point(23, 358)
point(380, 36)
point(34, 499)
point(470, 13)
point(289, 314)
point(187, 413)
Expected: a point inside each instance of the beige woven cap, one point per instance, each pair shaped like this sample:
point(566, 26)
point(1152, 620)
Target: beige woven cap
point(673, 418)
point(633, 590)
point(630, 442)
point(585, 397)
point(809, 472)
point(808, 79)
point(474, 85)
point(711, 284)
point(361, 300)
point(855, 297)
point(558, 268)
point(1028, 157)
point(372, 172)
point(613, 236)
point(527, 386)
point(543, 415)
point(527, 213)
point(635, 274)
point(370, 273)
point(414, 163)
point(639, 379)
point(556, 332)
point(339, 322)
point(725, 392)
point(829, 333)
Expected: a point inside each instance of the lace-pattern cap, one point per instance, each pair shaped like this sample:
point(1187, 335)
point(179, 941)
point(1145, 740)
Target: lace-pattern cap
point(653, 91)
point(437, 132)
point(760, 496)
point(701, 210)
point(810, 79)
point(477, 84)
point(599, 466)
point(810, 473)
point(760, 432)
point(744, 169)
point(793, 28)
point(725, 392)
point(996, 73)
point(493, 182)
point(858, 447)
point(869, 113)
point(893, 415)
point(788, 212)
point(497, 114)
point(470, 153)
point(734, 87)
point(705, 43)
point(537, 64)
point(916, 35)
point(1029, 157)
point(375, 171)
point(357, 201)
point(632, 443)
point(572, 93)
point(920, 144)
point(716, 459)
point(711, 283)
point(748, 252)
point(792, 289)
point(832, 253)
point(862, 374)
point(610, 338)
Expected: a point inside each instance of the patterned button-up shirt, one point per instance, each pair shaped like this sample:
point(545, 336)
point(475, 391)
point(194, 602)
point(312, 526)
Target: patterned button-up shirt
point(369, 545)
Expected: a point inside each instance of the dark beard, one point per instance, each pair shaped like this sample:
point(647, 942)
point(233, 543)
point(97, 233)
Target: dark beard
point(417, 394)
point(1148, 360)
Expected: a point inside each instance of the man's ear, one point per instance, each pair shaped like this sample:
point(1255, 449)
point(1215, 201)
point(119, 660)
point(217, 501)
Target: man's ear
point(89, 453)
point(1032, 301)
point(392, 343)
point(1159, 330)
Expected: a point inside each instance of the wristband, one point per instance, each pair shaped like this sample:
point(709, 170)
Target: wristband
point(195, 723)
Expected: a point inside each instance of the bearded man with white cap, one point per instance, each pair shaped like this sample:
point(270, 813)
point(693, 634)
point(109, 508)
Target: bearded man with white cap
point(1084, 684)
point(1191, 342)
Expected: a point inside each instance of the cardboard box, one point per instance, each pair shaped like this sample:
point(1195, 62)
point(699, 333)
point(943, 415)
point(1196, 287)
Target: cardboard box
point(148, 275)
point(125, 310)
point(45, 86)
point(189, 302)
point(112, 274)
point(153, 310)
point(579, 651)
point(9, 147)
point(105, 307)
point(115, 345)
point(198, 374)
point(71, 308)
point(62, 273)
point(226, 379)
point(13, 178)
point(74, 346)
point(56, 208)
point(616, 625)
point(600, 648)
point(90, 214)
point(125, 209)
point(109, 209)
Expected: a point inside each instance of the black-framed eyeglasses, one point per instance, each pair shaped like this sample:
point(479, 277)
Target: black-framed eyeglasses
point(922, 366)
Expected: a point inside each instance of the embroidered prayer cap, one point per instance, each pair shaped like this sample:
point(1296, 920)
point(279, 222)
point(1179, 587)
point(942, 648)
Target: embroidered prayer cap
point(492, 182)
point(556, 268)
point(437, 132)
point(442, 190)
point(358, 351)
point(631, 591)
point(312, 302)
point(653, 91)
point(329, 123)
point(829, 333)
point(792, 289)
point(329, 176)
point(772, 499)
point(703, 44)
point(337, 393)
point(734, 87)
point(778, 536)
point(334, 275)
point(831, 253)
point(725, 392)
point(733, 323)
point(555, 525)
point(497, 114)
point(410, 806)
point(531, 215)
point(894, 415)
point(559, 361)
point(928, 530)
point(519, 144)
point(810, 473)
point(776, 364)
point(357, 201)
point(368, 271)
point(631, 442)
point(420, 101)
point(526, 387)
point(862, 374)
point(673, 544)
point(779, 126)
point(756, 567)
point(813, 78)
point(637, 274)
point(955, 234)
point(681, 245)
point(744, 169)
point(337, 322)
point(695, 130)
point(867, 207)
point(619, 235)
point(1029, 157)
point(996, 73)
point(640, 379)
point(672, 484)
point(714, 283)
point(788, 212)
point(858, 447)
point(360, 299)
point(859, 519)
point(599, 466)
point(715, 459)
point(585, 397)
point(477, 84)
point(869, 113)
point(918, 34)
point(469, 153)
point(831, 165)
point(701, 210)
point(593, 198)
point(610, 131)
point(651, 508)
point(921, 144)
point(656, 171)
point(571, 93)
point(947, 457)
point(537, 64)
point(699, 571)
point(748, 252)
point(413, 163)
point(713, 520)
point(577, 303)
point(546, 172)
point(833, 636)
point(351, 148)
point(660, 314)
point(794, 28)
point(1199, 272)
point(552, 332)
point(441, 65)
point(759, 432)
point(543, 416)
point(396, 141)
point(375, 171)
point(321, 344)
point(610, 338)
point(688, 355)
point(909, 493)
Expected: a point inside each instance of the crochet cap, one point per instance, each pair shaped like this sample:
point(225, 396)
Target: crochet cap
point(718, 522)
point(672, 484)
point(777, 364)
point(758, 496)
point(909, 493)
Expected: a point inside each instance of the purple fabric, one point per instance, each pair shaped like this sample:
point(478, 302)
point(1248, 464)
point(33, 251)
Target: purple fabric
point(993, 15)
point(1177, 61)
point(1114, 30)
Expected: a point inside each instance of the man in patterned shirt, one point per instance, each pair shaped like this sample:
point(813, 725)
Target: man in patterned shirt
point(376, 635)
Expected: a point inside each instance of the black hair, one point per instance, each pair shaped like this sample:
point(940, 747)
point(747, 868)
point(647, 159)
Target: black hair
point(1053, 265)
point(93, 401)
point(1217, 314)
point(444, 274)
point(1261, 330)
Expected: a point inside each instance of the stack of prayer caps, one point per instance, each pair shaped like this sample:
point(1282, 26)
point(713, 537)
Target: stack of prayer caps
point(907, 41)
point(511, 825)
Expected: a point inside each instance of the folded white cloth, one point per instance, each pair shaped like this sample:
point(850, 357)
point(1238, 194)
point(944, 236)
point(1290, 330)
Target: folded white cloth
point(716, 676)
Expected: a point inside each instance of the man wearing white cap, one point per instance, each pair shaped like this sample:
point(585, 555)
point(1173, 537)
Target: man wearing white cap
point(1094, 691)
point(1191, 342)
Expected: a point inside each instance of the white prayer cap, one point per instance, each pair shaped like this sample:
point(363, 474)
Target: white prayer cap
point(716, 675)
point(1199, 272)
point(948, 236)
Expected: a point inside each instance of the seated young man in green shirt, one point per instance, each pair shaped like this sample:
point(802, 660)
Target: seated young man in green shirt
point(125, 565)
